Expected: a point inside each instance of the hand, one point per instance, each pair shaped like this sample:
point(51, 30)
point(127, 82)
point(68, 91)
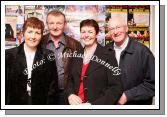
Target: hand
point(86, 103)
point(74, 99)
point(123, 99)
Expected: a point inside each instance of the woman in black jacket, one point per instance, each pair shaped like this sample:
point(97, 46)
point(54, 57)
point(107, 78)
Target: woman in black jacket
point(31, 76)
point(94, 76)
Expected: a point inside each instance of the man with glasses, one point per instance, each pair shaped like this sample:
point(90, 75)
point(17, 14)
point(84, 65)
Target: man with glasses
point(60, 43)
point(137, 65)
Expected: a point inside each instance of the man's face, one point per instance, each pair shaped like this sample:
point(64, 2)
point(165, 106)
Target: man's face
point(118, 30)
point(32, 37)
point(56, 25)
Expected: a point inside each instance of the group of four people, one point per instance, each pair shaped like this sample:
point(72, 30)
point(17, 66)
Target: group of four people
point(39, 72)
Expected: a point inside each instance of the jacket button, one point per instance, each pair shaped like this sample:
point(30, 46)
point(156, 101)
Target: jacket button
point(85, 76)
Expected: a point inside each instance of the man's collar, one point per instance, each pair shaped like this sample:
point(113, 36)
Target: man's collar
point(124, 45)
point(62, 40)
point(129, 48)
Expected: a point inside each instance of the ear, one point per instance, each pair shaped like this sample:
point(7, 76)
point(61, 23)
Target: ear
point(126, 28)
point(65, 22)
point(66, 26)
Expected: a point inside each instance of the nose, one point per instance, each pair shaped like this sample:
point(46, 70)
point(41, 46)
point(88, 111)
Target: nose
point(55, 26)
point(33, 36)
point(115, 31)
point(86, 35)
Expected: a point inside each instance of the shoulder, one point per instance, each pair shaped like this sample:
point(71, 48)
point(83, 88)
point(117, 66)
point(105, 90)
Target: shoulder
point(109, 45)
point(44, 39)
point(71, 39)
point(46, 51)
point(140, 47)
point(101, 48)
point(73, 43)
point(110, 49)
point(45, 36)
point(105, 51)
point(11, 52)
point(48, 56)
point(10, 56)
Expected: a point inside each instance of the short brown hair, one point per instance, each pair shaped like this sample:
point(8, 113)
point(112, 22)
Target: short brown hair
point(56, 13)
point(33, 22)
point(90, 22)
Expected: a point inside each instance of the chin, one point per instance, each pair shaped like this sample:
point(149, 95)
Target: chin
point(118, 39)
point(88, 45)
point(56, 34)
point(32, 45)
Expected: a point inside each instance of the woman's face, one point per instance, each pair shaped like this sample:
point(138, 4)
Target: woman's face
point(32, 37)
point(88, 35)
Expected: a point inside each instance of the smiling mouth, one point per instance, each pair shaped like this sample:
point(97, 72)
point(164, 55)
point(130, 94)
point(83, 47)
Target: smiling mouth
point(87, 39)
point(116, 35)
point(55, 30)
point(31, 39)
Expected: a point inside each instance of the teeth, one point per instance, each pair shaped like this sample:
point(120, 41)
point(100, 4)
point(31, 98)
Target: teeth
point(87, 39)
point(116, 35)
point(30, 39)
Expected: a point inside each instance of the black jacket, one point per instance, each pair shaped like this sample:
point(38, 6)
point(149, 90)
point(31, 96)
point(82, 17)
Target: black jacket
point(101, 87)
point(137, 64)
point(44, 78)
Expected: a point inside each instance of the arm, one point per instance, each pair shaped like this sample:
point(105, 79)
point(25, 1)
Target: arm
point(113, 93)
point(6, 78)
point(53, 88)
point(10, 53)
point(146, 89)
point(73, 99)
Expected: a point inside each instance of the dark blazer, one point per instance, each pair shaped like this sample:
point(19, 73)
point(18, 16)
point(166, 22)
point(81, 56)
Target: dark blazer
point(101, 84)
point(137, 64)
point(44, 79)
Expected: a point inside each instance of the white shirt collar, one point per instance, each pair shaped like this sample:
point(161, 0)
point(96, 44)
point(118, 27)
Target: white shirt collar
point(123, 46)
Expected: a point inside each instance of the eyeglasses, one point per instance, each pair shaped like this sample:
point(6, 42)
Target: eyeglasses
point(115, 28)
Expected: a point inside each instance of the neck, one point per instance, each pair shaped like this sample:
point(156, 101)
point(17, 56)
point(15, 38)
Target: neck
point(90, 48)
point(119, 43)
point(88, 53)
point(55, 39)
point(30, 49)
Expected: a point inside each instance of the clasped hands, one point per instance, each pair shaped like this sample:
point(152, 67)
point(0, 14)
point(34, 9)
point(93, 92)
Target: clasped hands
point(76, 100)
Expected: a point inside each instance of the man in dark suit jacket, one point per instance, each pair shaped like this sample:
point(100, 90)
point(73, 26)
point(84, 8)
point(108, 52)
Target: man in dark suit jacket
point(137, 64)
point(60, 43)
